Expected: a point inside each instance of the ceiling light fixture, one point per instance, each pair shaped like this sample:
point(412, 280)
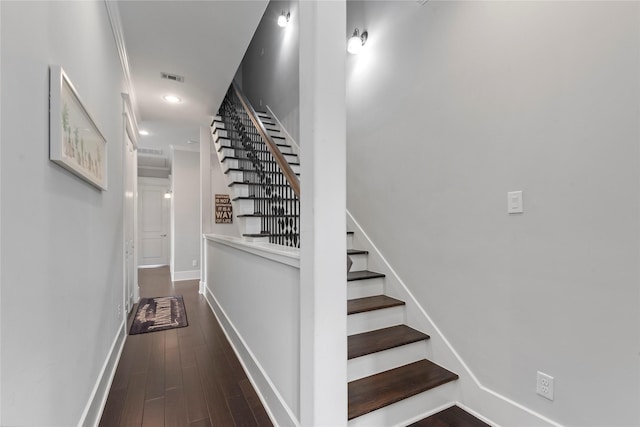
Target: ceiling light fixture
point(143, 132)
point(283, 19)
point(172, 99)
point(357, 41)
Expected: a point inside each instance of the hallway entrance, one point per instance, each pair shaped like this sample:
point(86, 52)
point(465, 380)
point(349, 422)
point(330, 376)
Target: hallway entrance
point(181, 377)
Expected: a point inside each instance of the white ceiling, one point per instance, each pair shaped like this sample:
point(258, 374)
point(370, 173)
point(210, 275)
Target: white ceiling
point(203, 41)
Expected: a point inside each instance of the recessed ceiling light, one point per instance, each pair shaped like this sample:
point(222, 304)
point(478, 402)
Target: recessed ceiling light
point(171, 99)
point(143, 132)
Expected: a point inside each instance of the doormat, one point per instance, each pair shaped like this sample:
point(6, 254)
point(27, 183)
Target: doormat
point(158, 314)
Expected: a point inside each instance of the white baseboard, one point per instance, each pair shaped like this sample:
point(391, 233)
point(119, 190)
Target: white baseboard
point(277, 409)
point(93, 410)
point(203, 287)
point(498, 408)
point(177, 276)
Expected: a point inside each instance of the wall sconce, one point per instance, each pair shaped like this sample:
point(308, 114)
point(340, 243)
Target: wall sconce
point(356, 42)
point(283, 19)
point(167, 194)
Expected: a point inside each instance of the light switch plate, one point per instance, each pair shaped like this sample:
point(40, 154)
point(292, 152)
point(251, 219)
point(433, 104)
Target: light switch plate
point(514, 202)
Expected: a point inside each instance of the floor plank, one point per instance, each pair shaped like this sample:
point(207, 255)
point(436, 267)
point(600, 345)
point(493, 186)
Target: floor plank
point(186, 377)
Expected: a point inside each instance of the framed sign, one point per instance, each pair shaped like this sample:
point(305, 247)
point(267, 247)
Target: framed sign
point(75, 142)
point(224, 210)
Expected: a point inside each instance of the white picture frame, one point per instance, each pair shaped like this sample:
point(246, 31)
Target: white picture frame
point(75, 142)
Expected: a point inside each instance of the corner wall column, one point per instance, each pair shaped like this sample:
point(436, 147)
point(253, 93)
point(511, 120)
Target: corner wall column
point(323, 317)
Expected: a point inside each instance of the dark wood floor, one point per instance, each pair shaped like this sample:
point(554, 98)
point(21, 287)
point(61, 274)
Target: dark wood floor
point(181, 377)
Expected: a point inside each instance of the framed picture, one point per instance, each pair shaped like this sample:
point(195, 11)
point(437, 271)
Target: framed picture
point(75, 142)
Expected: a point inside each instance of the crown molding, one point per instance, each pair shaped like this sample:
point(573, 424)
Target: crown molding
point(118, 34)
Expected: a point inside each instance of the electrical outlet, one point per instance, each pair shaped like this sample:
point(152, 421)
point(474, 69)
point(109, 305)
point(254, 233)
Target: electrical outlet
point(118, 311)
point(544, 385)
point(194, 263)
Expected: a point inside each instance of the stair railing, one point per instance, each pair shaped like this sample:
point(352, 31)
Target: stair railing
point(273, 186)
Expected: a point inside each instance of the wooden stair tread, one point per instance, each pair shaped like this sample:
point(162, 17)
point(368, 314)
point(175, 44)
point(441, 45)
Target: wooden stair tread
point(380, 390)
point(362, 275)
point(265, 234)
point(254, 171)
point(259, 215)
point(263, 161)
point(356, 252)
point(377, 302)
point(256, 183)
point(450, 417)
point(255, 199)
point(254, 132)
point(382, 339)
point(222, 147)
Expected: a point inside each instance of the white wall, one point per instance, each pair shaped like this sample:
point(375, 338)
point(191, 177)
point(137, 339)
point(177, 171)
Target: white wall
point(453, 104)
point(259, 309)
point(185, 214)
point(270, 66)
point(61, 246)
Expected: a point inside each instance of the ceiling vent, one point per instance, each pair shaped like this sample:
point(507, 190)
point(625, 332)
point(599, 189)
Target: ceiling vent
point(155, 151)
point(173, 77)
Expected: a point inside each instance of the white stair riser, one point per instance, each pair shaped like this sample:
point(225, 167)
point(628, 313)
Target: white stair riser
point(243, 206)
point(376, 319)
point(381, 361)
point(240, 190)
point(359, 262)
point(408, 410)
point(234, 164)
point(365, 288)
point(250, 225)
point(250, 176)
point(284, 149)
point(228, 151)
point(220, 132)
point(221, 142)
point(350, 241)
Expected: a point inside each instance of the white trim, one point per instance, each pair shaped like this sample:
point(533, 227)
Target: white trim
point(100, 391)
point(185, 275)
point(131, 126)
point(492, 394)
point(118, 34)
point(288, 136)
point(475, 414)
point(159, 182)
point(278, 253)
point(195, 149)
point(202, 289)
point(253, 368)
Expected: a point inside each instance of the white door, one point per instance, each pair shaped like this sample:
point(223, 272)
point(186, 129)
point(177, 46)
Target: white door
point(129, 221)
point(153, 228)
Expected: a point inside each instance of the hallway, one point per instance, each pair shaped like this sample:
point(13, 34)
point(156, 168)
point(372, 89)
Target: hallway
point(181, 377)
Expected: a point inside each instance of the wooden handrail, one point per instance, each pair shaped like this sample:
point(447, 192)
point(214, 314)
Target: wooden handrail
point(288, 173)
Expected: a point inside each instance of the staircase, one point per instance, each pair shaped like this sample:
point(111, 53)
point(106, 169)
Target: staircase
point(390, 380)
point(262, 171)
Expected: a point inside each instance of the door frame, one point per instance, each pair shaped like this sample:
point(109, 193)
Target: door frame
point(130, 130)
point(164, 185)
